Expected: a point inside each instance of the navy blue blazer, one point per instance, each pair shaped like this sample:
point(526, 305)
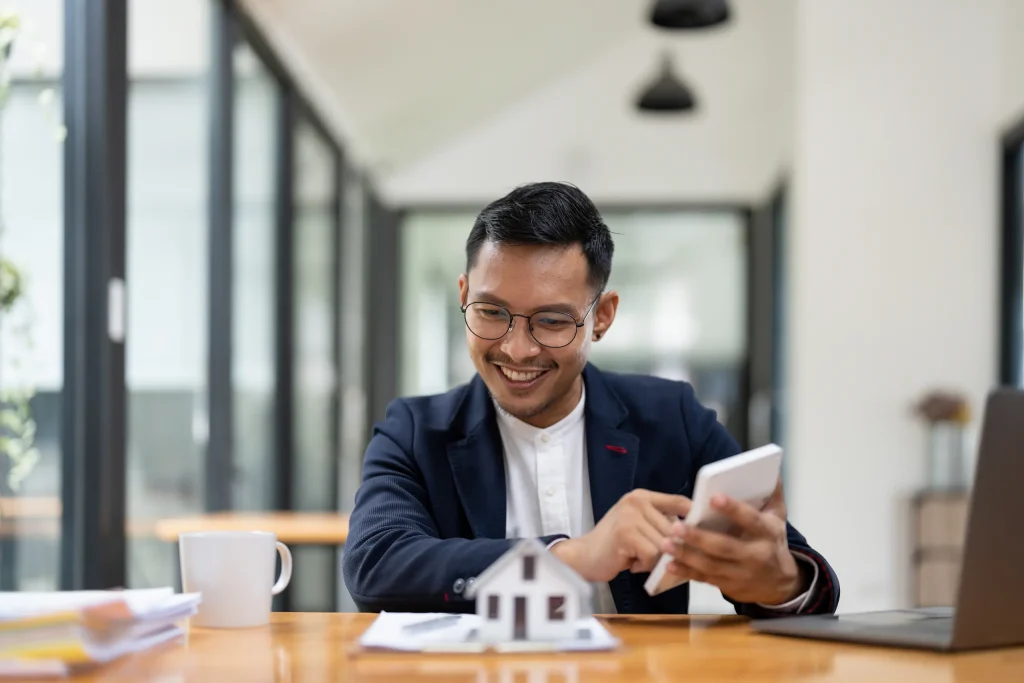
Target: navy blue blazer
point(430, 513)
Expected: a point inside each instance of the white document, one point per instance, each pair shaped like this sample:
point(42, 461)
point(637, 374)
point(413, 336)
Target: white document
point(458, 633)
point(143, 604)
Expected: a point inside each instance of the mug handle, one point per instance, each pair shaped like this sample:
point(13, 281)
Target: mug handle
point(286, 569)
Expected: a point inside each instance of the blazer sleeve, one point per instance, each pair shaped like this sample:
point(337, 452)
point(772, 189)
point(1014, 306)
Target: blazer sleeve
point(709, 442)
point(394, 559)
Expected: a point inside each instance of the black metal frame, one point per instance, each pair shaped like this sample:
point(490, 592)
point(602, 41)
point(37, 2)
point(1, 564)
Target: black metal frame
point(284, 300)
point(1012, 276)
point(338, 349)
point(382, 347)
point(93, 552)
point(779, 208)
point(219, 465)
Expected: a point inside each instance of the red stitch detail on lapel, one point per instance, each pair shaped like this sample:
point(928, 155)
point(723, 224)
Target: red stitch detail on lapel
point(617, 449)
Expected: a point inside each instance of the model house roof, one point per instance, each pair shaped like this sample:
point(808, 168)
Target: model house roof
point(530, 546)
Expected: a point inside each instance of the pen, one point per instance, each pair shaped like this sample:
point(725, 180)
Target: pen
point(431, 624)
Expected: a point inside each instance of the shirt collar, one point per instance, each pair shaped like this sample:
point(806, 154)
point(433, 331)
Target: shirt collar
point(524, 430)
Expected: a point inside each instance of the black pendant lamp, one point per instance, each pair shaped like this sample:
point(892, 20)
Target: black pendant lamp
point(689, 14)
point(666, 93)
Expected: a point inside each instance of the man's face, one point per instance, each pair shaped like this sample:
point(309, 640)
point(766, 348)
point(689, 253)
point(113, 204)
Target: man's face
point(536, 383)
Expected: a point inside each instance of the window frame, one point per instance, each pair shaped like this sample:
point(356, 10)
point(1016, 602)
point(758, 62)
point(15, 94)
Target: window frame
point(529, 567)
point(556, 605)
point(493, 607)
point(93, 551)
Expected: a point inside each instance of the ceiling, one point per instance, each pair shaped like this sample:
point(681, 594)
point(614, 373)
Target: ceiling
point(403, 81)
point(412, 73)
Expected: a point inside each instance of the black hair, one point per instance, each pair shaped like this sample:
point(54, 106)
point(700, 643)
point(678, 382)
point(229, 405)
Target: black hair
point(551, 213)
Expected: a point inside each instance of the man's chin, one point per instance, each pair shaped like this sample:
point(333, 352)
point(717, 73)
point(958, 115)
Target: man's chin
point(516, 406)
point(521, 411)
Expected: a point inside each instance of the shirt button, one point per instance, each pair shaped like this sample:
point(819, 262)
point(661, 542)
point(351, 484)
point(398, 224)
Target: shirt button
point(551, 491)
point(458, 586)
point(545, 438)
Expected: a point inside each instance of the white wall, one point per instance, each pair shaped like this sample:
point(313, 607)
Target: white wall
point(582, 127)
point(893, 261)
point(1012, 42)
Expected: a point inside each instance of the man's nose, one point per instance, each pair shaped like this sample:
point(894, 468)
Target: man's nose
point(518, 343)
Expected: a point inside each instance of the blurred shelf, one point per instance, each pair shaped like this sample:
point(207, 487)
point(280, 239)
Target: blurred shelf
point(939, 529)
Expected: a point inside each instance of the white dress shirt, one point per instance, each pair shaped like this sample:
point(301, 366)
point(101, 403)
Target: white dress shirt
point(547, 489)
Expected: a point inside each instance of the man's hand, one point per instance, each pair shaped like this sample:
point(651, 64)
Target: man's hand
point(754, 564)
point(629, 536)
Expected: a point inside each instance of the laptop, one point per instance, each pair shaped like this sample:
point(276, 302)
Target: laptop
point(989, 609)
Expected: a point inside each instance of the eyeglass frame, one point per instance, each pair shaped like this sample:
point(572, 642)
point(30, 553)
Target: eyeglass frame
point(512, 321)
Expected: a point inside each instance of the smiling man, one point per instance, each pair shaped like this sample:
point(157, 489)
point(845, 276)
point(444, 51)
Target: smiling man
point(543, 444)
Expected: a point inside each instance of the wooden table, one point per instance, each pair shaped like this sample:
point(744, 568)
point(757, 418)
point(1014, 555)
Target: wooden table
point(291, 528)
point(321, 647)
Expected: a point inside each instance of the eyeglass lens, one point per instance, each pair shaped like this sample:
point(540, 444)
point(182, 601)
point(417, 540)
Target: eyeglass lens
point(550, 328)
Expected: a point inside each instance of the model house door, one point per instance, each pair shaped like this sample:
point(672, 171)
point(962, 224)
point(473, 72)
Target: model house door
point(520, 619)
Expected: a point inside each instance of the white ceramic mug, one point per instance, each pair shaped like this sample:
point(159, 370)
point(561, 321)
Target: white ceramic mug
point(234, 571)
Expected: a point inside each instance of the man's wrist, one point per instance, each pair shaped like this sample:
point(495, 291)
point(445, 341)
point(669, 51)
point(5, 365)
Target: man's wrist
point(569, 551)
point(809, 585)
point(800, 583)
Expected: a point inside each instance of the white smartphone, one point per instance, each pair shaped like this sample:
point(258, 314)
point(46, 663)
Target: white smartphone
point(749, 477)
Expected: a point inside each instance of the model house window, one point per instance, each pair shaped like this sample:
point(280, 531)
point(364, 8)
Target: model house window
point(529, 566)
point(492, 607)
point(555, 605)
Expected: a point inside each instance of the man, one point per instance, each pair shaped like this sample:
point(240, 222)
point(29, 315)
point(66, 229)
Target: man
point(543, 444)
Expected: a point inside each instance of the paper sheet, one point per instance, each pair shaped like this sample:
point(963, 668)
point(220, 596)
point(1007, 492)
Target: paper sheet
point(460, 635)
point(143, 603)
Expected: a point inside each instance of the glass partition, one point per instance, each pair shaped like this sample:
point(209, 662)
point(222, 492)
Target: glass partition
point(167, 280)
point(681, 277)
point(31, 297)
point(255, 161)
point(314, 462)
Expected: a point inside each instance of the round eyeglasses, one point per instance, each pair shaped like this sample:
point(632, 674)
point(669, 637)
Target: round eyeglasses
point(552, 329)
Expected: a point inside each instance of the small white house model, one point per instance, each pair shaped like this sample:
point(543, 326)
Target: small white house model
point(528, 594)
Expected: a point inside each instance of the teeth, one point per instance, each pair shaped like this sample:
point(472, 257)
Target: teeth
point(520, 376)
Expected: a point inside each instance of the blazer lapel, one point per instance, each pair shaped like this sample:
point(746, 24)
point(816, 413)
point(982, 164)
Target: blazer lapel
point(611, 463)
point(478, 465)
point(611, 452)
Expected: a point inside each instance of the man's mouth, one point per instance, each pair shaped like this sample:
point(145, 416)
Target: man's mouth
point(521, 379)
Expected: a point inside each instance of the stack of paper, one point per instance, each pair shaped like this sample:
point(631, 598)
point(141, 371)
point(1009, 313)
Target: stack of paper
point(449, 633)
point(56, 632)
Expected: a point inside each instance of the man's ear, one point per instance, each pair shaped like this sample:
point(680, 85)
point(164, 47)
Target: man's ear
point(463, 290)
point(604, 314)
